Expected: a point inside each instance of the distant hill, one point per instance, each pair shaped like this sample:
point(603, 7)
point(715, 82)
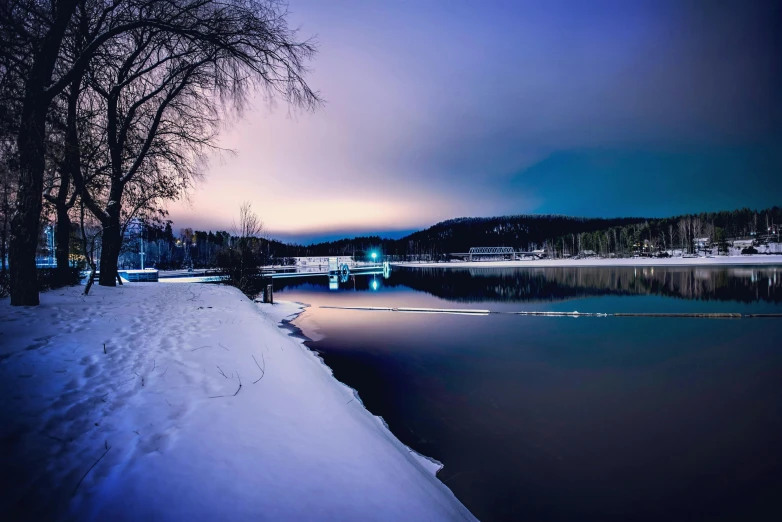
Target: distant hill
point(564, 235)
point(559, 236)
point(523, 232)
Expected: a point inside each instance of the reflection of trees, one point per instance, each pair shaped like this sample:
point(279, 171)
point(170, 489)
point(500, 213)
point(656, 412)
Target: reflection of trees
point(558, 283)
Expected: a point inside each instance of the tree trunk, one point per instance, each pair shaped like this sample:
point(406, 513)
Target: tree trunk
point(71, 170)
point(4, 231)
point(111, 243)
point(62, 237)
point(3, 240)
point(88, 252)
point(31, 148)
point(26, 220)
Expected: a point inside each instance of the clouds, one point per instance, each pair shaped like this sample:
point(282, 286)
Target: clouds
point(435, 108)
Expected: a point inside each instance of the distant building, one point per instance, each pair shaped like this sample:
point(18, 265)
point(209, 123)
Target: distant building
point(743, 243)
point(702, 242)
point(588, 253)
point(322, 262)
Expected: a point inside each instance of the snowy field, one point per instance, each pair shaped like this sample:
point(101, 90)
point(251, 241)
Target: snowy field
point(199, 408)
point(637, 261)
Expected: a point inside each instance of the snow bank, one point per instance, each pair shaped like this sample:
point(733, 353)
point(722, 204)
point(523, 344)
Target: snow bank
point(200, 408)
point(637, 261)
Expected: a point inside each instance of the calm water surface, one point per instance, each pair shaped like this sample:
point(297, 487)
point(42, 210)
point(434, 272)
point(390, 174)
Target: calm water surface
point(589, 418)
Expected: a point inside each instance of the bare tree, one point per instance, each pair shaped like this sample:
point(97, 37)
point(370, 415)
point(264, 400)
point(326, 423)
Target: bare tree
point(696, 227)
point(90, 233)
point(166, 96)
point(7, 187)
point(684, 235)
point(238, 44)
point(241, 260)
point(59, 189)
point(250, 225)
point(32, 33)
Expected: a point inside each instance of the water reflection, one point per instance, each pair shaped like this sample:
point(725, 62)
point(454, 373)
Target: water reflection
point(553, 284)
point(344, 279)
point(746, 285)
point(566, 419)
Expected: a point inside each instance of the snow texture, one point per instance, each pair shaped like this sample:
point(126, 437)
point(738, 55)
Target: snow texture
point(199, 408)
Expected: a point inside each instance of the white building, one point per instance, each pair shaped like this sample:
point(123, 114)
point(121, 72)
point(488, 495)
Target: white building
point(322, 262)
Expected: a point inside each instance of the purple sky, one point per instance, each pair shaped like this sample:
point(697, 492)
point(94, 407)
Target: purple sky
point(442, 109)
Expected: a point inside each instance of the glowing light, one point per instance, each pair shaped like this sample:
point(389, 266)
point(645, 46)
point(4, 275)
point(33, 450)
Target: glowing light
point(374, 285)
point(374, 256)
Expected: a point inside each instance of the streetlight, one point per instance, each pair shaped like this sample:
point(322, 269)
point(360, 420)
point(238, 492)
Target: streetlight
point(374, 256)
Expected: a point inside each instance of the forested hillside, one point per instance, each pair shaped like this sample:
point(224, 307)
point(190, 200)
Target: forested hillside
point(556, 235)
point(523, 232)
point(563, 235)
point(688, 233)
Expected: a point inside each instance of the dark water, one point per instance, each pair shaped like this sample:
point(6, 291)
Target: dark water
point(589, 418)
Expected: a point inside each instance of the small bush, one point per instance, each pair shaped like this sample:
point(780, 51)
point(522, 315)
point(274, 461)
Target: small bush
point(242, 271)
point(48, 278)
point(749, 250)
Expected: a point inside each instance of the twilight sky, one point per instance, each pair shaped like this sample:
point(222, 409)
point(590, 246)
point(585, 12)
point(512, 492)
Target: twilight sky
point(440, 109)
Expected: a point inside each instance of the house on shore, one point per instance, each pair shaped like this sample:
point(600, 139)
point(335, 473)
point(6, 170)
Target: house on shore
point(743, 243)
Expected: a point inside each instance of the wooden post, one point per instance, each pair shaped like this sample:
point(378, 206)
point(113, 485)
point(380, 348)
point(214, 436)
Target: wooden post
point(270, 294)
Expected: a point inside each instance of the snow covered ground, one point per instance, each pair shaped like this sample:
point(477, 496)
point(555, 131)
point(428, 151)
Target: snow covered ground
point(199, 408)
point(637, 261)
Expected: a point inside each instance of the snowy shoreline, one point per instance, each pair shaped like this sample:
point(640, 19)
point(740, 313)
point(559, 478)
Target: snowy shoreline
point(286, 322)
point(753, 260)
point(201, 406)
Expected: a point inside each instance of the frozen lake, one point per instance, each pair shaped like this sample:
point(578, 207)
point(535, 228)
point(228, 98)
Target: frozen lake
point(562, 418)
